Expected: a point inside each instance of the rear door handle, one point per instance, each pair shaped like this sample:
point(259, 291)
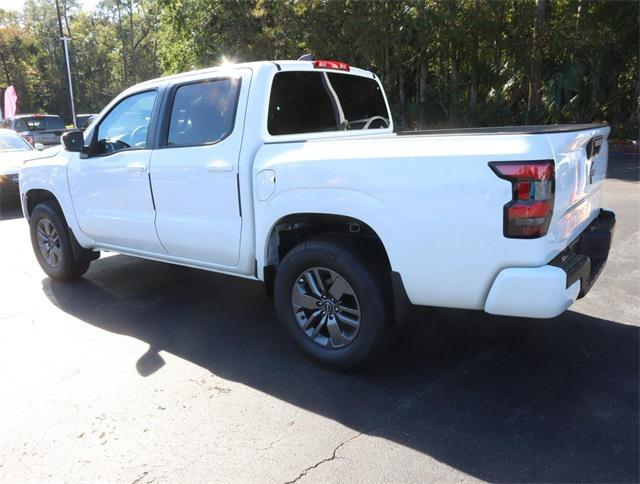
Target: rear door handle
point(218, 165)
point(136, 167)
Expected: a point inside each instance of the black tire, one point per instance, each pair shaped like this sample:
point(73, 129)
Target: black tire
point(67, 267)
point(368, 281)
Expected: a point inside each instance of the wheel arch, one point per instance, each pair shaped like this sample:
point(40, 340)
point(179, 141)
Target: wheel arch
point(293, 229)
point(34, 196)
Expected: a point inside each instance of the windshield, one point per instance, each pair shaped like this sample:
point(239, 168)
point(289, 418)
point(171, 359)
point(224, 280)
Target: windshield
point(13, 142)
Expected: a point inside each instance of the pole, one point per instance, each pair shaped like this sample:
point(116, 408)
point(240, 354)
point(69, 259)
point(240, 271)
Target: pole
point(66, 61)
point(66, 56)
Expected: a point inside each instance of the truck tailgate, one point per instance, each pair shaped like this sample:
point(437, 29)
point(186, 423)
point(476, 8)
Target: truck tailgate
point(580, 168)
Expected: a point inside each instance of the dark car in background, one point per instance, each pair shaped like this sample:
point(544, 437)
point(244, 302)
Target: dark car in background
point(37, 128)
point(84, 120)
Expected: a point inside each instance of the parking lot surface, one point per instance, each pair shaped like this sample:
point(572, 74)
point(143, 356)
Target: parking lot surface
point(147, 372)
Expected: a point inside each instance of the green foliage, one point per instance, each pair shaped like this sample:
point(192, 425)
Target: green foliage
point(443, 63)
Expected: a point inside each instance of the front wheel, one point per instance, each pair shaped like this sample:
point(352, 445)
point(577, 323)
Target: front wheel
point(335, 306)
point(52, 244)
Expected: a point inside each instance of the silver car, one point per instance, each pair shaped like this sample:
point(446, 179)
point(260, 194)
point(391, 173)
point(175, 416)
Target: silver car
point(14, 150)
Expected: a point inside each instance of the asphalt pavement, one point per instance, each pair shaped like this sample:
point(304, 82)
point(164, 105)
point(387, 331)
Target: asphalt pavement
point(148, 372)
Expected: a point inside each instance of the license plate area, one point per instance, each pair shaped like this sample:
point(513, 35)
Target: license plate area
point(585, 258)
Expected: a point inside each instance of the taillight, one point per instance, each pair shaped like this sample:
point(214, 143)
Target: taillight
point(528, 214)
point(330, 64)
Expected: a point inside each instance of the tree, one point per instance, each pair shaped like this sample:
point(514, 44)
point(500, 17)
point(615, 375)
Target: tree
point(442, 63)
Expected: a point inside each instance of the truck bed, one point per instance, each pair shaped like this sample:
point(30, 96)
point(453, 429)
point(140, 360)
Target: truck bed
point(533, 129)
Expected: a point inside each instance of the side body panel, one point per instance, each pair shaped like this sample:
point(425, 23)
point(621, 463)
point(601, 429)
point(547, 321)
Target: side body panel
point(195, 189)
point(434, 202)
point(112, 199)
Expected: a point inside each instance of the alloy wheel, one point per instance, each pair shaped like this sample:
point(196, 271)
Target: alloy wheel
point(326, 307)
point(49, 243)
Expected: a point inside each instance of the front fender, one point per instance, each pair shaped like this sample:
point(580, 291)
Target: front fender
point(50, 174)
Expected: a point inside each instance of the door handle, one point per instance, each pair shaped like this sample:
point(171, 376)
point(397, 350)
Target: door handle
point(137, 167)
point(218, 165)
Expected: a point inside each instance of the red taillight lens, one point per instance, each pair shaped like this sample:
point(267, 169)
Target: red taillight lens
point(330, 64)
point(529, 212)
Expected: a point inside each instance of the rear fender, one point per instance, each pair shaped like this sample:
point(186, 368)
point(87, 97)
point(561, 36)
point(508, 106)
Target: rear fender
point(346, 203)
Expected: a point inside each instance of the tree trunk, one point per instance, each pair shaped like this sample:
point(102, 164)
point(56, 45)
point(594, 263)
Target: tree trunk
point(131, 43)
point(536, 62)
point(386, 46)
point(422, 97)
point(455, 83)
point(581, 15)
point(422, 67)
point(125, 67)
point(401, 95)
point(473, 61)
point(6, 68)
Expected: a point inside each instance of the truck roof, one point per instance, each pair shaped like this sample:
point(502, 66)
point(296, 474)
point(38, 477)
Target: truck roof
point(305, 65)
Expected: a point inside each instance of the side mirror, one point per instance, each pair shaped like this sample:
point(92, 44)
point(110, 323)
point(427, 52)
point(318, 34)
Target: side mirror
point(73, 141)
point(39, 146)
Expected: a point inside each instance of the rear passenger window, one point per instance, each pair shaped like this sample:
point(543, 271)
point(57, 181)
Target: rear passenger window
point(203, 112)
point(300, 103)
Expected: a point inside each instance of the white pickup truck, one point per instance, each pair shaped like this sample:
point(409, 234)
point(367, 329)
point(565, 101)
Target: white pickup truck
point(290, 173)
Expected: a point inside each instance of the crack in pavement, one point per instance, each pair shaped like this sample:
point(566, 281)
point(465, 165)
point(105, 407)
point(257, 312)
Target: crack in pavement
point(323, 461)
point(142, 476)
point(418, 393)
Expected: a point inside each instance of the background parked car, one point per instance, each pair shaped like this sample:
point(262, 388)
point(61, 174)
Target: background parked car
point(37, 128)
point(84, 120)
point(14, 150)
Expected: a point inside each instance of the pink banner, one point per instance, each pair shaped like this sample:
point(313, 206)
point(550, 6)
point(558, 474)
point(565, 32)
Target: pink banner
point(10, 102)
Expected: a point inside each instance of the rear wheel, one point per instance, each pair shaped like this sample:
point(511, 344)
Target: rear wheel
point(334, 304)
point(52, 244)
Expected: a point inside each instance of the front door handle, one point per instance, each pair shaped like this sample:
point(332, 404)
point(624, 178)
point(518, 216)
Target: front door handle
point(136, 167)
point(218, 165)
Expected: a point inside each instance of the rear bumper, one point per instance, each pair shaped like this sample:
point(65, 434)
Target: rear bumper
point(547, 291)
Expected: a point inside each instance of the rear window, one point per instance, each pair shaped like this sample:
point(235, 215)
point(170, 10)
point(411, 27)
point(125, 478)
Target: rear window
point(30, 124)
point(314, 102)
point(54, 122)
point(300, 103)
point(39, 123)
point(361, 99)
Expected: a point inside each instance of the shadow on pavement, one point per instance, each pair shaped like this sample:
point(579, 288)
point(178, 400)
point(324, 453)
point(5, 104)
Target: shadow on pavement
point(501, 399)
point(10, 209)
